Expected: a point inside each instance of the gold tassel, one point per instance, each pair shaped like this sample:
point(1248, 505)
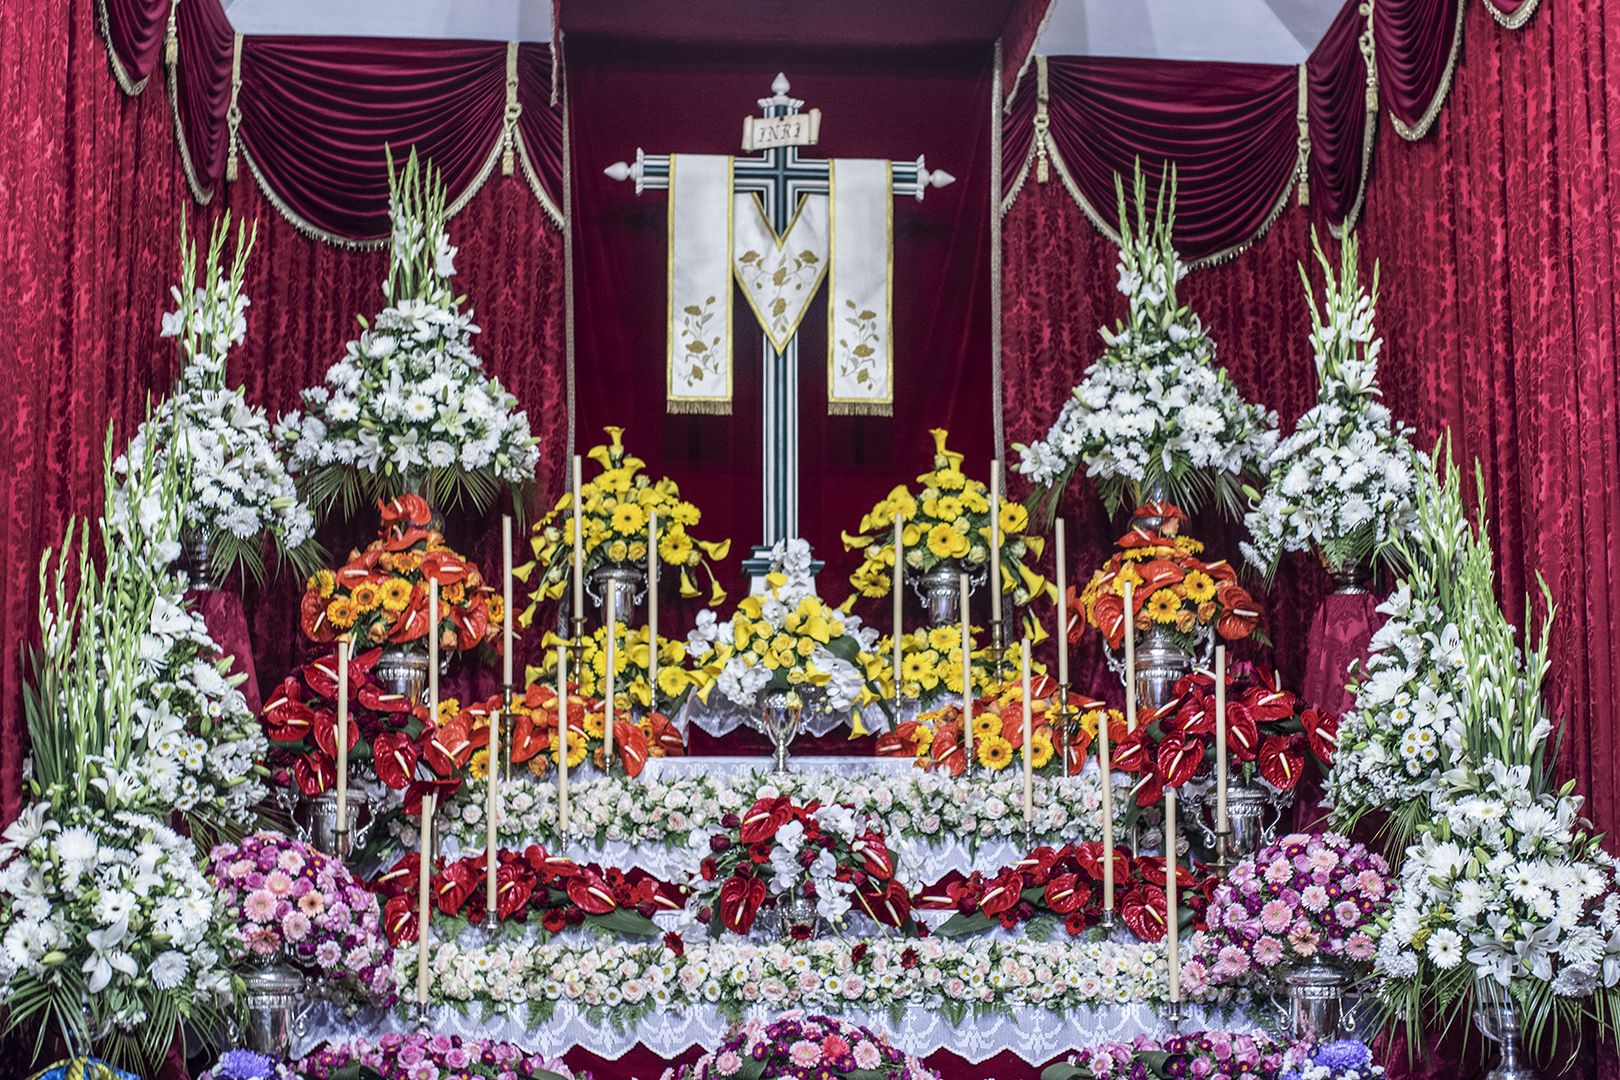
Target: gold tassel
point(233, 115)
point(1304, 117)
point(1043, 122)
point(513, 110)
point(171, 37)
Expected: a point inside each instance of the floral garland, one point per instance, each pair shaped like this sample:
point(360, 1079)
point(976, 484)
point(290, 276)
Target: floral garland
point(380, 596)
point(239, 490)
point(442, 1057)
point(110, 911)
point(557, 892)
point(820, 855)
point(613, 527)
point(409, 407)
point(619, 984)
point(1172, 590)
point(1305, 898)
point(786, 639)
point(1341, 484)
point(797, 1047)
point(946, 522)
point(282, 898)
point(1155, 413)
point(1208, 1055)
point(1065, 886)
point(926, 807)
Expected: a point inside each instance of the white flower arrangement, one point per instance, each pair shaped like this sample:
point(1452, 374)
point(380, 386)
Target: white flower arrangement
point(240, 490)
point(745, 654)
point(409, 403)
point(956, 978)
point(1154, 417)
point(107, 924)
point(918, 808)
point(1341, 484)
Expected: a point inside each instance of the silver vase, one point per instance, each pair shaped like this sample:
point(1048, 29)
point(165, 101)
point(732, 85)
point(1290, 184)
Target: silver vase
point(1153, 492)
point(316, 821)
point(1496, 1015)
point(780, 715)
point(275, 1009)
point(1316, 1012)
point(403, 670)
point(196, 560)
point(1254, 813)
point(940, 591)
point(627, 580)
point(1352, 580)
point(796, 910)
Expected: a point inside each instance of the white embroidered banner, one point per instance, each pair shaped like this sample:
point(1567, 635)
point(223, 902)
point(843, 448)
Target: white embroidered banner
point(699, 362)
point(860, 315)
point(779, 274)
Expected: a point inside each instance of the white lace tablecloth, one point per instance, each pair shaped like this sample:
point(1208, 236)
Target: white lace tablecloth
point(669, 768)
point(1035, 1035)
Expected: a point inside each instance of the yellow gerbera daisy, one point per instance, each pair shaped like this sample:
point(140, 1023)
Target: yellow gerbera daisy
point(1198, 586)
point(948, 508)
point(994, 752)
point(1013, 518)
point(1040, 749)
point(366, 596)
point(396, 594)
point(986, 725)
point(1163, 606)
point(340, 612)
point(323, 582)
point(478, 764)
point(594, 725)
point(946, 543)
point(628, 518)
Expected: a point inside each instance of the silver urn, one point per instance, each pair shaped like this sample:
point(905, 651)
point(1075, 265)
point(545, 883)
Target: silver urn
point(316, 822)
point(196, 560)
point(781, 715)
point(275, 1009)
point(1254, 813)
point(1496, 1014)
point(1316, 1009)
point(940, 591)
point(627, 580)
point(796, 911)
point(1161, 662)
point(403, 670)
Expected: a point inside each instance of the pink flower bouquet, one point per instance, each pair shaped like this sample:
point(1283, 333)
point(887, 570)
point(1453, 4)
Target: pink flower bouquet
point(800, 1047)
point(1309, 897)
point(287, 901)
point(1208, 1055)
point(441, 1057)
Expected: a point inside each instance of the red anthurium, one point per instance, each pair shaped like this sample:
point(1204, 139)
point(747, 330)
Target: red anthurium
point(400, 879)
point(1240, 615)
point(394, 757)
point(630, 743)
point(1282, 760)
point(288, 720)
point(324, 727)
point(441, 789)
point(591, 894)
point(413, 621)
point(528, 738)
point(665, 735)
point(1196, 715)
point(1003, 894)
point(740, 900)
point(514, 885)
point(551, 867)
point(1266, 704)
point(399, 920)
point(1089, 856)
point(1157, 573)
point(1242, 733)
point(1178, 760)
point(406, 509)
point(1321, 734)
point(764, 818)
point(1131, 753)
point(889, 905)
point(1109, 613)
point(314, 773)
point(1149, 790)
point(471, 625)
point(373, 697)
point(312, 618)
point(445, 567)
point(1143, 910)
point(1065, 894)
point(453, 885)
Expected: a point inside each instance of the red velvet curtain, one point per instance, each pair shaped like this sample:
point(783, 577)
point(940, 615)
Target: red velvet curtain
point(934, 102)
point(1341, 124)
point(1417, 44)
point(134, 32)
point(92, 194)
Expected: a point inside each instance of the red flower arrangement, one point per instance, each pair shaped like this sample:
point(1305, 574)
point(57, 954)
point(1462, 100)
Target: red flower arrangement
point(785, 854)
point(386, 732)
point(635, 739)
point(380, 596)
point(555, 892)
point(1172, 588)
point(1265, 736)
point(1066, 884)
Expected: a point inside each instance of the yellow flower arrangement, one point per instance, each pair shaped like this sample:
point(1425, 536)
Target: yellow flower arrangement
point(617, 503)
point(947, 519)
point(931, 665)
point(631, 669)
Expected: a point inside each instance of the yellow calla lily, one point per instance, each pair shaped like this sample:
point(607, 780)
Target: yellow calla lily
point(688, 590)
point(854, 543)
point(717, 595)
point(716, 550)
point(524, 572)
point(1036, 545)
point(857, 726)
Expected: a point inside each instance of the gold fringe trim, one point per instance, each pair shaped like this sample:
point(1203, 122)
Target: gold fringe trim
point(1369, 127)
point(514, 109)
point(233, 113)
point(1018, 76)
point(532, 176)
point(187, 166)
point(1416, 131)
point(131, 87)
point(858, 408)
point(1516, 20)
point(704, 407)
point(302, 224)
point(1303, 116)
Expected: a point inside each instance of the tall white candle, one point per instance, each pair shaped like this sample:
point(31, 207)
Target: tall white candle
point(343, 747)
point(492, 803)
point(1172, 928)
point(963, 589)
point(1130, 656)
point(424, 911)
point(507, 635)
point(607, 696)
point(562, 740)
point(995, 542)
point(1105, 770)
point(1062, 609)
point(433, 649)
point(579, 541)
point(652, 604)
point(1029, 738)
point(899, 584)
point(1220, 739)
